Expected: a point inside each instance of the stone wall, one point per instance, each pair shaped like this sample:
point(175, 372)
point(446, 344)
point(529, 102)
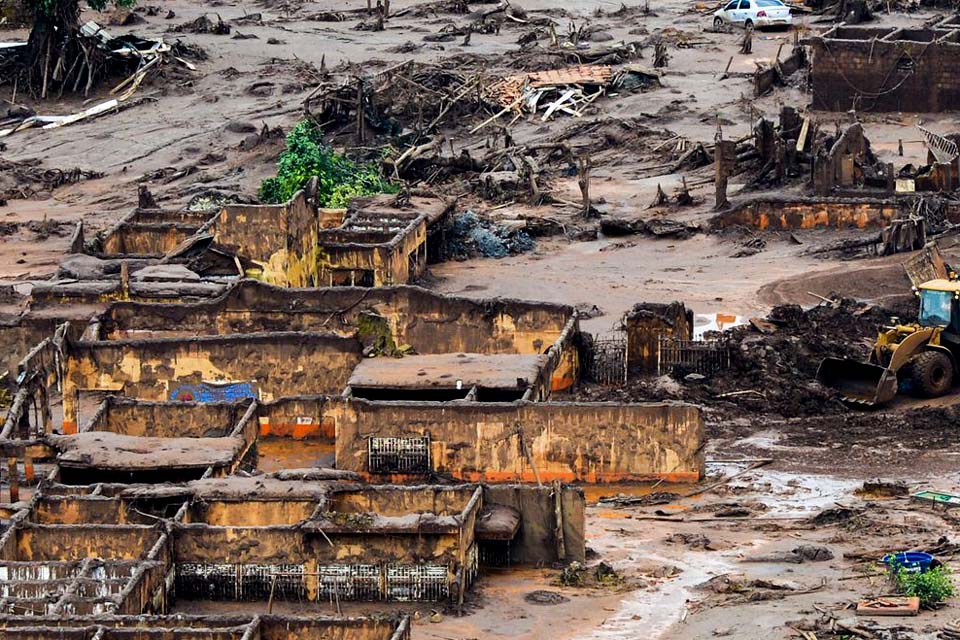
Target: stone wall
point(429, 322)
point(167, 420)
point(268, 365)
point(877, 69)
point(810, 213)
point(524, 442)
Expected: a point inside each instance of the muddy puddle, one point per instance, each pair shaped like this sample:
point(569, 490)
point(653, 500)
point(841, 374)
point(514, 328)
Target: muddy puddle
point(656, 610)
point(594, 493)
point(650, 614)
point(791, 494)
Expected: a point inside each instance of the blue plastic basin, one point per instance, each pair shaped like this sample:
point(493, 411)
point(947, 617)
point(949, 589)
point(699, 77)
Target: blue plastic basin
point(909, 561)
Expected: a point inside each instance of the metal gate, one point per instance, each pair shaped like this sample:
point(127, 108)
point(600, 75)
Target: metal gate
point(419, 582)
point(682, 357)
point(606, 361)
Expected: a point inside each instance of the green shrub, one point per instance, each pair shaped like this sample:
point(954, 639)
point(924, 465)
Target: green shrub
point(932, 587)
point(339, 178)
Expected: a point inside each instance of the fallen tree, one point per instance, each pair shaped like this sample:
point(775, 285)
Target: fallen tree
point(58, 57)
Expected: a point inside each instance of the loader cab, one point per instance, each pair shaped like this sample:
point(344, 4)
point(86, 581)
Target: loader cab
point(940, 305)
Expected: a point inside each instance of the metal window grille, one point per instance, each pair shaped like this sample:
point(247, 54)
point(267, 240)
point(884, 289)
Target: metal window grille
point(206, 581)
point(682, 357)
point(256, 581)
point(240, 582)
point(607, 360)
point(399, 455)
point(349, 582)
point(424, 582)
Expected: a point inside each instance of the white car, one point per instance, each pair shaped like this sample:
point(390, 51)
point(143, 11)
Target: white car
point(753, 13)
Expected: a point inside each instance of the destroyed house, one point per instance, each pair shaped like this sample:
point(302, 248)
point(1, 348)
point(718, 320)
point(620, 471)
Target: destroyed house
point(149, 233)
point(373, 243)
point(194, 627)
point(887, 68)
point(404, 384)
point(114, 549)
point(129, 441)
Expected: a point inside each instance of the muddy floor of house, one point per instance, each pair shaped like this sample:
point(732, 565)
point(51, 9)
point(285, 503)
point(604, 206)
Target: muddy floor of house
point(596, 200)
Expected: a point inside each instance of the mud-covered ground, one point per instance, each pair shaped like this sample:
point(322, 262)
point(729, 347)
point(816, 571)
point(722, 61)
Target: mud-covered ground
point(192, 132)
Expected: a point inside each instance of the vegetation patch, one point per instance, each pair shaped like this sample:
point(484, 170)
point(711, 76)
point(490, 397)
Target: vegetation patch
point(932, 587)
point(340, 178)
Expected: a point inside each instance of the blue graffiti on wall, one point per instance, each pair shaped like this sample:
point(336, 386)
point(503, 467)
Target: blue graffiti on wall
point(213, 392)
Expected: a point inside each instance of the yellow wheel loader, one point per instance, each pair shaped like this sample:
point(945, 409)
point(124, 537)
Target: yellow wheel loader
point(919, 358)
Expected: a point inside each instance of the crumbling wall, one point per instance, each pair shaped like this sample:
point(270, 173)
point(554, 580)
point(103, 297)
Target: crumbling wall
point(90, 297)
point(250, 513)
point(16, 341)
point(646, 323)
point(376, 628)
point(499, 442)
point(882, 69)
point(296, 418)
point(146, 239)
point(86, 510)
point(810, 213)
point(281, 238)
point(536, 542)
point(400, 501)
point(265, 365)
point(195, 218)
point(287, 545)
point(206, 627)
point(76, 542)
point(429, 322)
point(842, 165)
point(167, 420)
point(765, 77)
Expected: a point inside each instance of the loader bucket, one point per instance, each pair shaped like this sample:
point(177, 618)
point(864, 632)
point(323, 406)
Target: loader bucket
point(858, 382)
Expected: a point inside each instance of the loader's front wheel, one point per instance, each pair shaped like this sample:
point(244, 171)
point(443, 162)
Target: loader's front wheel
point(930, 373)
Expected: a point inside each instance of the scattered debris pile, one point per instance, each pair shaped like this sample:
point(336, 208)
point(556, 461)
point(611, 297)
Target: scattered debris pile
point(773, 362)
point(92, 56)
point(203, 24)
point(471, 235)
point(414, 99)
point(602, 575)
point(568, 91)
point(729, 589)
point(133, 57)
point(21, 180)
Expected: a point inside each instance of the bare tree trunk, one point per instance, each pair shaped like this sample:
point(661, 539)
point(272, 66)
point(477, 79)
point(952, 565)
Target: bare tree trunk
point(584, 165)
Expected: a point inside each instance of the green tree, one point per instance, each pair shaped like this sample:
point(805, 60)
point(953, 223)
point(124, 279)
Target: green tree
point(339, 178)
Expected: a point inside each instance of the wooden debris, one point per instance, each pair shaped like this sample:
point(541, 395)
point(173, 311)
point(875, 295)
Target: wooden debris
point(889, 606)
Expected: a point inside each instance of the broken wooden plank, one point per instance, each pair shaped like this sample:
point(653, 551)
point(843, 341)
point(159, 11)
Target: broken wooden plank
point(556, 105)
point(103, 107)
point(889, 606)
